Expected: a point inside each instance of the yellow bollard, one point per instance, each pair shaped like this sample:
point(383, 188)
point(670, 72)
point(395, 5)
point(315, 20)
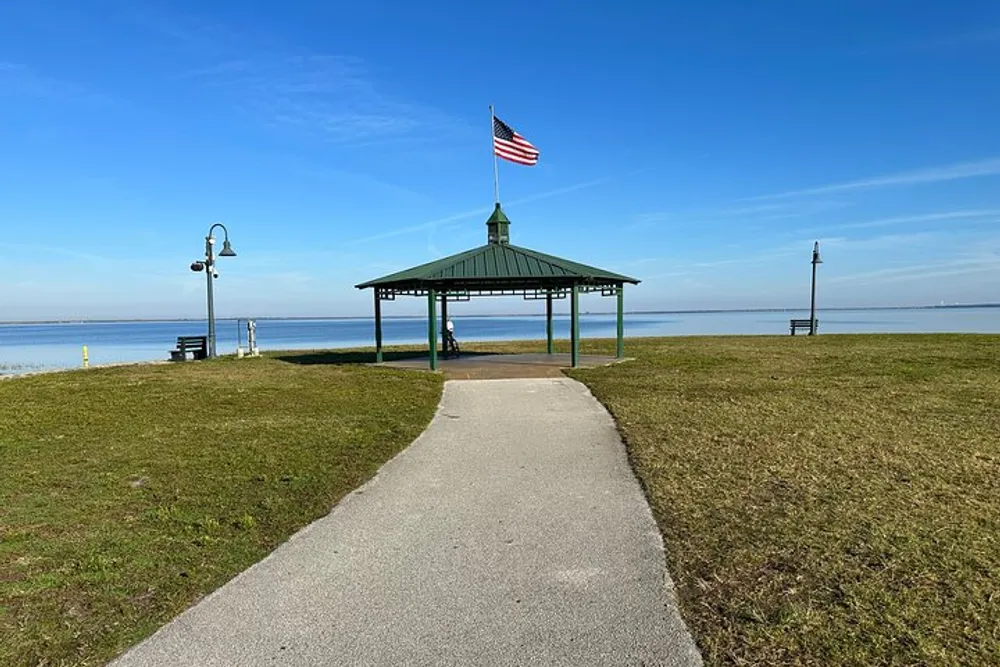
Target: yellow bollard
point(86, 358)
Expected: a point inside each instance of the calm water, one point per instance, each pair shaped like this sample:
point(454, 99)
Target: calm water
point(29, 347)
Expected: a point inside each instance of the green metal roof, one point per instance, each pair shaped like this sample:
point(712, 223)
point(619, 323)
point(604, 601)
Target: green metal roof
point(498, 215)
point(499, 265)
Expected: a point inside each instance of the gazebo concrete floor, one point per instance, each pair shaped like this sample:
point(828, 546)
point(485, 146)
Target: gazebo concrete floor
point(474, 366)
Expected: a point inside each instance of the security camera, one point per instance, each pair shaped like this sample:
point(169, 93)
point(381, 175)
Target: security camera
point(197, 266)
point(215, 274)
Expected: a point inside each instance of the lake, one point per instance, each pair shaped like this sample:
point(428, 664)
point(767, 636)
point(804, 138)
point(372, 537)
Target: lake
point(32, 347)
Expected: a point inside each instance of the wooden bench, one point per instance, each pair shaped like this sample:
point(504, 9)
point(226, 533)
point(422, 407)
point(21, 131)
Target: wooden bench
point(196, 345)
point(802, 324)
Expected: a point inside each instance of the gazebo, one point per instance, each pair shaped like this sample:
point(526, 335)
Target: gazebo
point(499, 269)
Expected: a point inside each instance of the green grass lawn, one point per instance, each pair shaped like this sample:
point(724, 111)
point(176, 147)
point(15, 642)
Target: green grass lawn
point(128, 493)
point(824, 501)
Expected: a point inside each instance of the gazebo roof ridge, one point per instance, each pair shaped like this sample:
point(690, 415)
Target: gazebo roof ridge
point(499, 263)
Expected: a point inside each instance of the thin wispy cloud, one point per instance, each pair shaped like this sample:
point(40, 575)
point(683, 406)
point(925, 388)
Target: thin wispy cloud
point(884, 242)
point(962, 41)
point(759, 258)
point(655, 218)
point(357, 180)
point(21, 81)
point(33, 250)
point(785, 252)
point(643, 261)
point(570, 188)
point(704, 217)
point(443, 222)
point(671, 274)
point(194, 32)
point(972, 39)
point(776, 210)
point(924, 271)
point(951, 172)
point(225, 67)
point(332, 97)
point(762, 258)
point(756, 209)
point(965, 215)
point(422, 227)
point(648, 220)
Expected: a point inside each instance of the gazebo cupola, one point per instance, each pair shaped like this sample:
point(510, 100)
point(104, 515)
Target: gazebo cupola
point(498, 227)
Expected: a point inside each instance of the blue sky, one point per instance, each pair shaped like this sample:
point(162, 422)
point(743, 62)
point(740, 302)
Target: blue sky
point(701, 147)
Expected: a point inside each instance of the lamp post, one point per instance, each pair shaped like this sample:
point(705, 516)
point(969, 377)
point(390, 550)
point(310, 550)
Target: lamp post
point(208, 266)
point(812, 307)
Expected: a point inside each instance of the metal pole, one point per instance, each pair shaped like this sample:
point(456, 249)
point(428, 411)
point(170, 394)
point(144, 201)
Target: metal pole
point(496, 169)
point(209, 268)
point(548, 322)
point(621, 321)
point(432, 328)
point(812, 304)
point(378, 327)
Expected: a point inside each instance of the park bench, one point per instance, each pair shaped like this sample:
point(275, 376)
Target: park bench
point(196, 345)
point(802, 324)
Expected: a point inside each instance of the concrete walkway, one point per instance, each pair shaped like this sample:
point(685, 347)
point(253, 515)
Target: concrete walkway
point(512, 532)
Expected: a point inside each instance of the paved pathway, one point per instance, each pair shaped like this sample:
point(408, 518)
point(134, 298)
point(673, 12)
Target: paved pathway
point(512, 532)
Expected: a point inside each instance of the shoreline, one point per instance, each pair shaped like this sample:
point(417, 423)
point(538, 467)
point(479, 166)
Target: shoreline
point(363, 318)
point(509, 341)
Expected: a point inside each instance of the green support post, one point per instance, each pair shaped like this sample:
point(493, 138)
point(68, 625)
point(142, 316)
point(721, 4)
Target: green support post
point(444, 323)
point(378, 327)
point(574, 327)
point(432, 335)
point(548, 322)
point(621, 321)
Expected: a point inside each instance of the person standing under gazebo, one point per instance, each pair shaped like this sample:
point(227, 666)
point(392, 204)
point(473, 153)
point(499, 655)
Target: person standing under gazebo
point(452, 345)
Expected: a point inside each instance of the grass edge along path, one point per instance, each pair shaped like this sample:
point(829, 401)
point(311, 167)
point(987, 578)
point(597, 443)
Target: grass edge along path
point(833, 500)
point(127, 493)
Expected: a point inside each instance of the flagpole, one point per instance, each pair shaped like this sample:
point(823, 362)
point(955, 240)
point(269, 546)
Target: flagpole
point(496, 169)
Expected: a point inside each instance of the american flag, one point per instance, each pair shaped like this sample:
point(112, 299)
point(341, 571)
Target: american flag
point(510, 145)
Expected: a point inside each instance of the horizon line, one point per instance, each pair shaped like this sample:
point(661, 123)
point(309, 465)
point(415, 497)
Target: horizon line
point(698, 311)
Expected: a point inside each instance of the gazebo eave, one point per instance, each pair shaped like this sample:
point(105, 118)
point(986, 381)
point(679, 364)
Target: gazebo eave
point(488, 287)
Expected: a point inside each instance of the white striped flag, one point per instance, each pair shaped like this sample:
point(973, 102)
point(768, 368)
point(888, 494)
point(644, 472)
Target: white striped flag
point(511, 146)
